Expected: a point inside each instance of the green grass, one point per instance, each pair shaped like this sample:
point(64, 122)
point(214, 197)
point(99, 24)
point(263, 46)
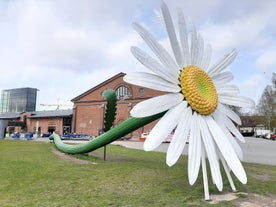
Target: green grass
point(32, 175)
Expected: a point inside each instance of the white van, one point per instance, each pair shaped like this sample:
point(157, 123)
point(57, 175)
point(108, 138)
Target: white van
point(262, 132)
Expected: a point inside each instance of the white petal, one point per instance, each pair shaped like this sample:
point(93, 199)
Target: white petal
point(156, 105)
point(154, 66)
point(222, 78)
point(231, 139)
point(229, 112)
point(235, 144)
point(183, 34)
point(227, 171)
point(228, 90)
point(172, 36)
point(151, 81)
point(200, 50)
point(180, 136)
point(221, 65)
point(226, 150)
point(194, 45)
point(206, 58)
point(163, 128)
point(158, 50)
point(237, 101)
point(194, 151)
point(211, 152)
point(221, 118)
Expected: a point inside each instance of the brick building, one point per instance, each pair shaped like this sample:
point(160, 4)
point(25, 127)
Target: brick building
point(37, 122)
point(87, 114)
point(58, 121)
point(89, 107)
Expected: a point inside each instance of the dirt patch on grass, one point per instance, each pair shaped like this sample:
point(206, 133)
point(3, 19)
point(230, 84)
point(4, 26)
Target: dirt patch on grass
point(261, 177)
point(108, 158)
point(69, 158)
point(222, 197)
point(245, 200)
point(255, 200)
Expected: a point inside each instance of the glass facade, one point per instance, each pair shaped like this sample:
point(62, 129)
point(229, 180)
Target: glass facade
point(18, 100)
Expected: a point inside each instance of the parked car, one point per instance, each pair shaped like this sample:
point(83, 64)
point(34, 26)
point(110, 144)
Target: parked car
point(168, 138)
point(261, 132)
point(143, 136)
point(271, 136)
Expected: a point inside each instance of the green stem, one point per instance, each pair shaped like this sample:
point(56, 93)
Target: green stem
point(115, 133)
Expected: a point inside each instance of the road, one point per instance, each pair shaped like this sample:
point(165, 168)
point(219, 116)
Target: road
point(255, 150)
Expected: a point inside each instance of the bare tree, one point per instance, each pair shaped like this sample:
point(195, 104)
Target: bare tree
point(274, 80)
point(267, 103)
point(274, 89)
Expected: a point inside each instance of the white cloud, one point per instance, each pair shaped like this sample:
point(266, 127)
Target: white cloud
point(247, 33)
point(253, 86)
point(267, 61)
point(66, 47)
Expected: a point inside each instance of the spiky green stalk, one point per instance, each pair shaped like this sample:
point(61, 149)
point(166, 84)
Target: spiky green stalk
point(110, 113)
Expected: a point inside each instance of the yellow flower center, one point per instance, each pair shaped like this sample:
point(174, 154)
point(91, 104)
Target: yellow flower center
point(199, 90)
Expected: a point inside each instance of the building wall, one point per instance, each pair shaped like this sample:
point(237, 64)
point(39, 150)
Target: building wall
point(89, 107)
point(89, 119)
point(45, 123)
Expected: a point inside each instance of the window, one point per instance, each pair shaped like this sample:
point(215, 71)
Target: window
point(11, 130)
point(37, 130)
point(142, 91)
point(123, 92)
point(51, 129)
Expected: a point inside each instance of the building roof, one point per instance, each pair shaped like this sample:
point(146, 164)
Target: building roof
point(11, 89)
point(38, 114)
point(98, 86)
point(52, 113)
point(10, 115)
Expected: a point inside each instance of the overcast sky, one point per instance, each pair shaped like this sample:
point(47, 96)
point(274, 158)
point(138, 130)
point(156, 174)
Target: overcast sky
point(66, 47)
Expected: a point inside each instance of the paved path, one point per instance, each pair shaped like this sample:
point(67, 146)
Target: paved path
point(258, 150)
point(255, 150)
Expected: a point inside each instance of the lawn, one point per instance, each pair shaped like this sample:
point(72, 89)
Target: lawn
point(32, 175)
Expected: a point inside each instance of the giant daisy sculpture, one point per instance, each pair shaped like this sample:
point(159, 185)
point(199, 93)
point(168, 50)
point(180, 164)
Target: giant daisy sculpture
point(196, 103)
